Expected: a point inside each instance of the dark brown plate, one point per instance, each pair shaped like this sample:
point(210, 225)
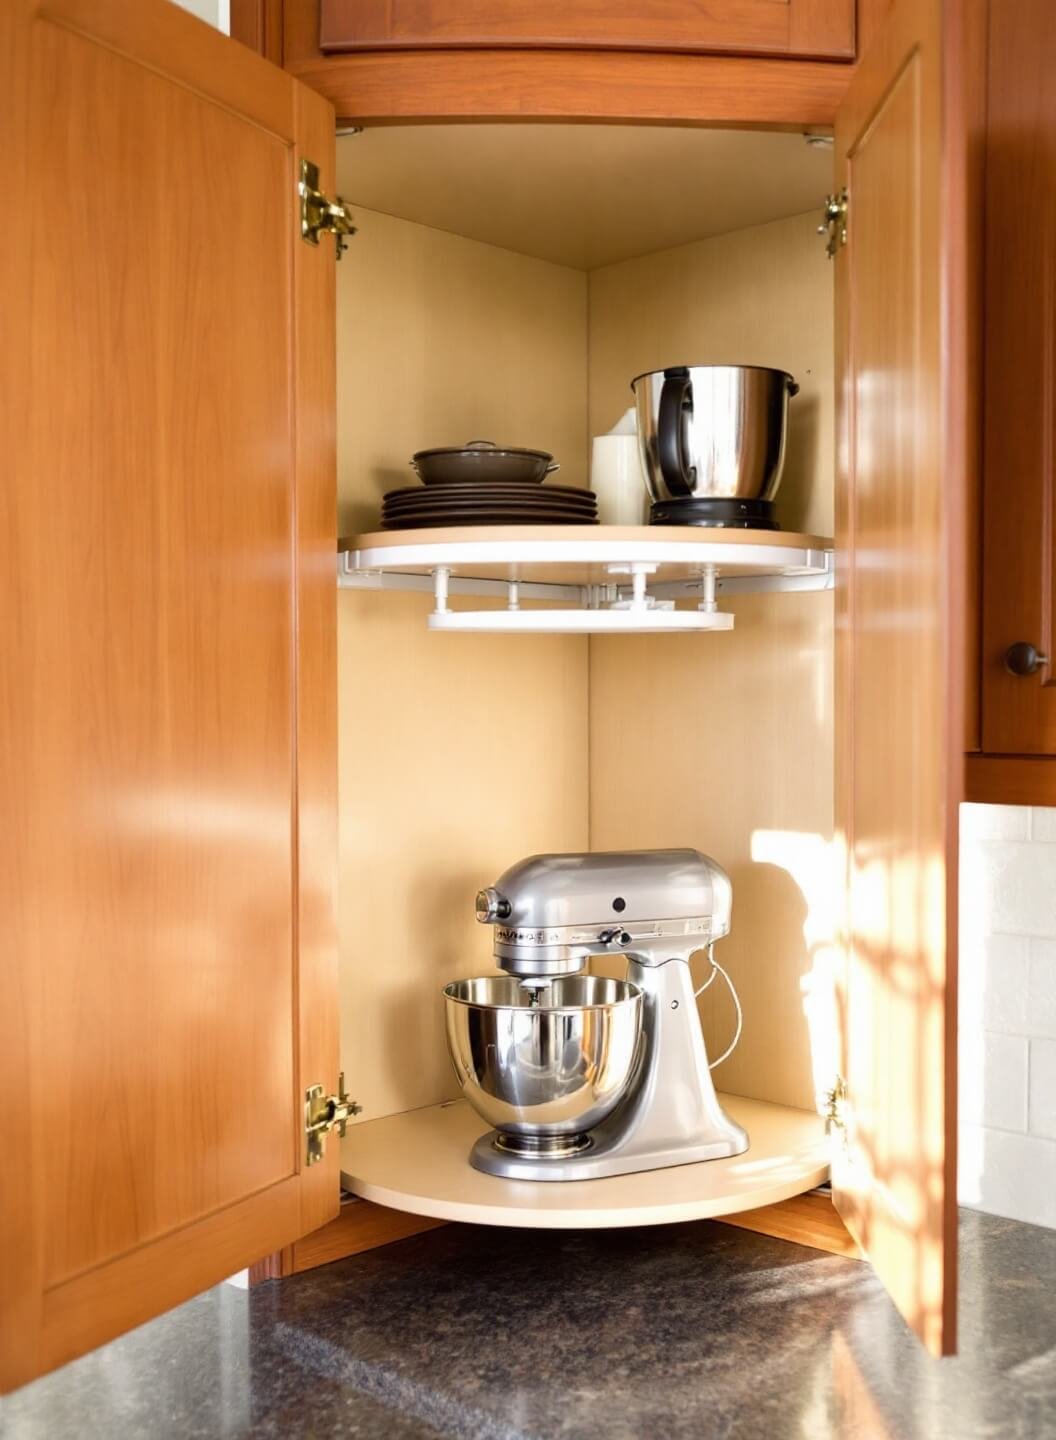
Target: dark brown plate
point(440, 495)
point(452, 522)
point(395, 510)
point(483, 504)
point(492, 517)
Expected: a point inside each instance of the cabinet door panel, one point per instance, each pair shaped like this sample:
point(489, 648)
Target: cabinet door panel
point(1019, 480)
point(818, 28)
point(901, 282)
point(167, 537)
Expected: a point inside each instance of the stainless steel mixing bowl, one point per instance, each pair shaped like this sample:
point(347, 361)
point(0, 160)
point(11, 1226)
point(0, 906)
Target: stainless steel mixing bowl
point(543, 1066)
point(713, 432)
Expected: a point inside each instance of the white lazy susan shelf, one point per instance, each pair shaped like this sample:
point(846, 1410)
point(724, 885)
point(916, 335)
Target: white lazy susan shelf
point(419, 1161)
point(617, 578)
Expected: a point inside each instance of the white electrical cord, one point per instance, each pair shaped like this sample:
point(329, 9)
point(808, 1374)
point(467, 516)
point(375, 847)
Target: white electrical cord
point(716, 968)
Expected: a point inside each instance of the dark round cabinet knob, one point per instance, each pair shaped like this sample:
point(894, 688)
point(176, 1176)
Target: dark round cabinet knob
point(1023, 659)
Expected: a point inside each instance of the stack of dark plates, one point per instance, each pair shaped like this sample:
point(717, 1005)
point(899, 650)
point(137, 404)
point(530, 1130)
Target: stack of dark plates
point(488, 502)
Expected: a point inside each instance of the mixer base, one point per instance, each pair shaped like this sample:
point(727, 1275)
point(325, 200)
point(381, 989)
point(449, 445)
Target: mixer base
point(541, 1147)
point(602, 1156)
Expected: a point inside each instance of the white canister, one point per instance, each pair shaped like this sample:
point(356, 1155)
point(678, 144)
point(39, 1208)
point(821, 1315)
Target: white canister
point(617, 480)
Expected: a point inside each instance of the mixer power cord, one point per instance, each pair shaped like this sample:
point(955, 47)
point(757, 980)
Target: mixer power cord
point(716, 969)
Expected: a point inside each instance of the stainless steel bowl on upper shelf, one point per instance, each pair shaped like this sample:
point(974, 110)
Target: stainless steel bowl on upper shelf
point(713, 432)
point(543, 1065)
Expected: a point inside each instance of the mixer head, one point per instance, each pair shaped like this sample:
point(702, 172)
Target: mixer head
point(552, 912)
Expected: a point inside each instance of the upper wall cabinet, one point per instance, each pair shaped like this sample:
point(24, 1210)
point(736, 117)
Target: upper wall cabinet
point(1019, 681)
point(1017, 759)
point(820, 29)
point(783, 63)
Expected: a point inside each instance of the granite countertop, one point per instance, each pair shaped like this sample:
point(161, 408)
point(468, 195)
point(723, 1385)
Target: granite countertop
point(698, 1330)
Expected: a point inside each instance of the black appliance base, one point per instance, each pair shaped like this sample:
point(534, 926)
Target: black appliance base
point(716, 514)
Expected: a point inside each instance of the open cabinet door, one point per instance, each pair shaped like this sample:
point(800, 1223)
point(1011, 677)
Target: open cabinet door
point(904, 326)
point(167, 669)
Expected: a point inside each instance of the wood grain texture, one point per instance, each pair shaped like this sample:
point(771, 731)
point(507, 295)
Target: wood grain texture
point(963, 268)
point(151, 750)
point(900, 662)
point(455, 759)
point(360, 1226)
point(385, 87)
point(258, 24)
point(809, 1219)
point(817, 28)
point(1010, 779)
point(1019, 570)
point(396, 87)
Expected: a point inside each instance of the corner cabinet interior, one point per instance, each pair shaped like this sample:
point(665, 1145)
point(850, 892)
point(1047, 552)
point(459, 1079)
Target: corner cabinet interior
point(505, 282)
point(493, 290)
point(513, 311)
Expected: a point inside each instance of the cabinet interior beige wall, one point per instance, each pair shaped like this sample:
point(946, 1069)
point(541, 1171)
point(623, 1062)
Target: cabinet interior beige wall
point(457, 753)
point(724, 742)
point(461, 753)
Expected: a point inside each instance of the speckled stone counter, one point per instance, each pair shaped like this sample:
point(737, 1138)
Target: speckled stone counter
point(697, 1330)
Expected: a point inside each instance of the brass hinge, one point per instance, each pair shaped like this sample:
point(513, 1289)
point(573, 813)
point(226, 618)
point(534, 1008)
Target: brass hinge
point(323, 1113)
point(834, 223)
point(833, 1106)
point(319, 212)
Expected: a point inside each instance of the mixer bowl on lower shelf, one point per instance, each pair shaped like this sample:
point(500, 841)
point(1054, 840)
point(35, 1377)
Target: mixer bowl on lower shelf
point(544, 1066)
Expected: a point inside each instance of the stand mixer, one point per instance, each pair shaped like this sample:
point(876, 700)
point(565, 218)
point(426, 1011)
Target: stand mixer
point(583, 1076)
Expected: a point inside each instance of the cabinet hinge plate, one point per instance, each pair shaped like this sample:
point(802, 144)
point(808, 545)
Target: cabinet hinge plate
point(834, 1106)
point(319, 212)
point(834, 222)
point(323, 1113)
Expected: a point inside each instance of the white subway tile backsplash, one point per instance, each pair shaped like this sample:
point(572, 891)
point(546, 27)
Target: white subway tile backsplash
point(1007, 1012)
point(995, 822)
point(1043, 822)
point(1041, 989)
point(1004, 1098)
point(1012, 1175)
point(1006, 968)
point(1017, 887)
point(1042, 1119)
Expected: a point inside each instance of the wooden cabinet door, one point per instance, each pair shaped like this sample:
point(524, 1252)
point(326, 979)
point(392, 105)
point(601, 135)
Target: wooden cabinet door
point(822, 29)
point(1019, 478)
point(167, 750)
point(901, 280)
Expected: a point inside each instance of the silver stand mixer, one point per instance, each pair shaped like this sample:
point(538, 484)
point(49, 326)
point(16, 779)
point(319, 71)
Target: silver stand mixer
point(582, 1076)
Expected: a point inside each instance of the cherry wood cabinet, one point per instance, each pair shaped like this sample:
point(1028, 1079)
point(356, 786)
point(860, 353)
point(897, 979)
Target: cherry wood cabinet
point(1017, 661)
point(168, 747)
point(752, 62)
point(169, 740)
point(903, 286)
point(1019, 581)
point(819, 29)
